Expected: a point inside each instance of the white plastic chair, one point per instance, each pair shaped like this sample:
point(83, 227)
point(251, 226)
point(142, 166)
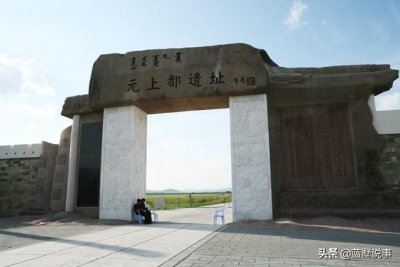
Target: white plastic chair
point(154, 213)
point(219, 212)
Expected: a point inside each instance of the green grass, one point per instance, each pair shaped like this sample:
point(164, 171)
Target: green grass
point(175, 201)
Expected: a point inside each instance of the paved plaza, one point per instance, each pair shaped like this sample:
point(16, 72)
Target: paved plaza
point(268, 244)
point(187, 237)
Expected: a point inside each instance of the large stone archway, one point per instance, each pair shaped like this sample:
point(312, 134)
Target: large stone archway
point(272, 110)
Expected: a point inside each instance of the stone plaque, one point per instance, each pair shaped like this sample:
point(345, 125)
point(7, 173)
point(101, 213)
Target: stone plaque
point(186, 73)
point(89, 164)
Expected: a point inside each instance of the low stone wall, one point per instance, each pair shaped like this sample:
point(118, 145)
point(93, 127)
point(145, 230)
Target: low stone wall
point(390, 167)
point(18, 179)
point(41, 202)
point(33, 178)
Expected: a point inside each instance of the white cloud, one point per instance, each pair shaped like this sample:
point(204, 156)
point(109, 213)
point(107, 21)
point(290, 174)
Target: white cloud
point(293, 20)
point(23, 78)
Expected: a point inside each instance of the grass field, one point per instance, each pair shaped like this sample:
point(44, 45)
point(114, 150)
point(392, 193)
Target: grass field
point(185, 200)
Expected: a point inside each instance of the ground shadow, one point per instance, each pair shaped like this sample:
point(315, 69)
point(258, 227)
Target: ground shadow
point(96, 244)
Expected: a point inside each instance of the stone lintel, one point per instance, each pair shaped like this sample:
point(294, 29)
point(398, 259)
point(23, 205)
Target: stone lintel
point(183, 73)
point(298, 86)
point(372, 78)
point(183, 104)
point(171, 80)
point(76, 105)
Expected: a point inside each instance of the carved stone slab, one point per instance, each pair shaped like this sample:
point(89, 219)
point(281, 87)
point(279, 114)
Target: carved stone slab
point(178, 74)
point(170, 80)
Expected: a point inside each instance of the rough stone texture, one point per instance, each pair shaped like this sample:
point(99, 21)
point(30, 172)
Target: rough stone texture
point(76, 105)
point(59, 188)
point(367, 147)
point(17, 184)
point(340, 203)
point(320, 125)
point(334, 80)
point(41, 202)
point(185, 73)
point(123, 164)
point(251, 176)
point(169, 80)
point(390, 167)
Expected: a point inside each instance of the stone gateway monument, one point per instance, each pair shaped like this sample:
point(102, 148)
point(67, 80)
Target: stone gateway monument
point(302, 139)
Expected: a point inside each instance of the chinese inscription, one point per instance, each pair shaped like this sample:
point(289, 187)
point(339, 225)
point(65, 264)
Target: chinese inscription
point(194, 79)
point(153, 84)
point(175, 80)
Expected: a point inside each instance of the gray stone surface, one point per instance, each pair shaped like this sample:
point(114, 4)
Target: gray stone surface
point(123, 161)
point(17, 184)
point(76, 105)
point(344, 79)
point(265, 244)
point(59, 187)
point(185, 73)
point(320, 125)
point(251, 172)
point(70, 198)
point(185, 237)
point(197, 78)
point(66, 241)
point(391, 160)
point(47, 162)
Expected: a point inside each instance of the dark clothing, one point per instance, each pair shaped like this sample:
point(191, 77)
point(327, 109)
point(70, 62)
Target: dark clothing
point(138, 206)
point(140, 209)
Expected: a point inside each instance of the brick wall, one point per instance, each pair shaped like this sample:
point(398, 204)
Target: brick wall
point(390, 167)
point(18, 178)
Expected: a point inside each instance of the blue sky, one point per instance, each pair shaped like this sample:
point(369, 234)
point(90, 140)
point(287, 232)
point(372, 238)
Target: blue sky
point(47, 50)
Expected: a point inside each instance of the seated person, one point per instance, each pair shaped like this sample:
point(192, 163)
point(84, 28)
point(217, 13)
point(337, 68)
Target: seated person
point(140, 209)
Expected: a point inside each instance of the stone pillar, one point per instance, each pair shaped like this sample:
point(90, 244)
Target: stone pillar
point(60, 177)
point(123, 161)
point(251, 172)
point(371, 104)
point(72, 171)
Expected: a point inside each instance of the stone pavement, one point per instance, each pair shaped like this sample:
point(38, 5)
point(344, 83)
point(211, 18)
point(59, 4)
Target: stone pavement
point(186, 237)
point(276, 244)
point(93, 243)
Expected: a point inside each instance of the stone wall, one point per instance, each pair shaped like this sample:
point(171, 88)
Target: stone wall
point(41, 202)
point(351, 204)
point(18, 178)
point(34, 180)
point(390, 166)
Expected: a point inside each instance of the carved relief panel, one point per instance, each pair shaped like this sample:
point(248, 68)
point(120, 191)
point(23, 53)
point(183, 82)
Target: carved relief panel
point(317, 148)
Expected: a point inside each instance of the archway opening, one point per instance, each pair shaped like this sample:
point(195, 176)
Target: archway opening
point(189, 158)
